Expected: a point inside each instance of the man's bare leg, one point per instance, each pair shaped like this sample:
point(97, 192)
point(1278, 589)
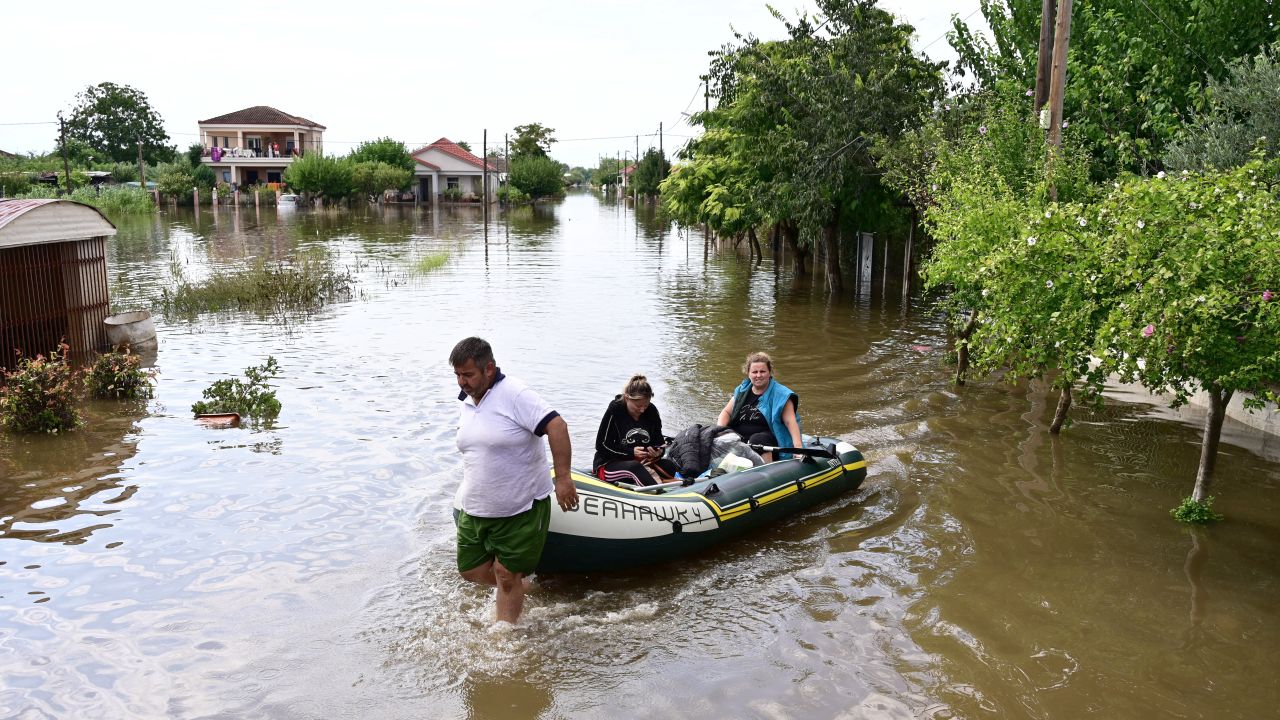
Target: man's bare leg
point(510, 593)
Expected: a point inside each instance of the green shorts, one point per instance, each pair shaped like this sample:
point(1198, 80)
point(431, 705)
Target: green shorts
point(515, 541)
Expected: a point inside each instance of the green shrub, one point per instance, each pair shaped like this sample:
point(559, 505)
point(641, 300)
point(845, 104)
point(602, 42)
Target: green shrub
point(254, 399)
point(14, 183)
point(40, 395)
point(511, 194)
point(116, 200)
point(124, 172)
point(307, 282)
point(39, 191)
point(1196, 513)
point(119, 375)
point(452, 194)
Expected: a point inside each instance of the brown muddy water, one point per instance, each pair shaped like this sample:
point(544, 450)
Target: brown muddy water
point(153, 568)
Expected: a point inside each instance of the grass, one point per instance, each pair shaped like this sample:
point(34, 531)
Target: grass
point(431, 263)
point(307, 282)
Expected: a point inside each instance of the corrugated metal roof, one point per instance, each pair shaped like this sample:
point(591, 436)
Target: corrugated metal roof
point(11, 209)
point(34, 222)
point(261, 115)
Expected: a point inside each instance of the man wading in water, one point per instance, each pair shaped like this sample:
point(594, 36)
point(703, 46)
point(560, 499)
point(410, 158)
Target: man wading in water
point(505, 493)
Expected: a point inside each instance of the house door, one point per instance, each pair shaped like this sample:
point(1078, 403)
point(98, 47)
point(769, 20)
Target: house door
point(424, 188)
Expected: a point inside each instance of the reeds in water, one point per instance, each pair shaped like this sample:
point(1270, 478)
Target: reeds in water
point(305, 283)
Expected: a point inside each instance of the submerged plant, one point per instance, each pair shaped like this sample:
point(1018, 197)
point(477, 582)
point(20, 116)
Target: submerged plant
point(274, 287)
point(119, 375)
point(40, 394)
point(253, 399)
point(1196, 513)
point(431, 262)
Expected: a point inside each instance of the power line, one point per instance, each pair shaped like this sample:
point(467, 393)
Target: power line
point(1174, 33)
point(46, 122)
point(945, 33)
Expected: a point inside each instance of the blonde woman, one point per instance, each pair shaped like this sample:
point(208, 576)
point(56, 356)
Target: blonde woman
point(762, 410)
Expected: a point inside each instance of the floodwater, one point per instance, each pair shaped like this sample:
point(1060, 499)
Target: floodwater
point(154, 568)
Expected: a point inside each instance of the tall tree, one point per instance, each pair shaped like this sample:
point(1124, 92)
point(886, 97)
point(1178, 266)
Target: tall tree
point(113, 119)
point(532, 140)
point(650, 171)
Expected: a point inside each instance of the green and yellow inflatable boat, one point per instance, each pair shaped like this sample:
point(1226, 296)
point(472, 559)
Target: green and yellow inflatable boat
point(615, 528)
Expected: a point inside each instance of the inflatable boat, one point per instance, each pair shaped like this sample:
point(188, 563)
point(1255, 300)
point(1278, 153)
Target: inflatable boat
point(617, 528)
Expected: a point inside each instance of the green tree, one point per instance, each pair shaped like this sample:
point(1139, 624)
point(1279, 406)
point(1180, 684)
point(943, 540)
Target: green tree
point(649, 172)
point(1240, 115)
point(175, 179)
point(1134, 67)
point(374, 178)
point(1191, 260)
point(536, 176)
point(532, 140)
point(327, 177)
point(384, 150)
point(113, 119)
point(607, 171)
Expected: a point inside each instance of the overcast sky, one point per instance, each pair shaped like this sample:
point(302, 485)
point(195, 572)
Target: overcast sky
point(414, 71)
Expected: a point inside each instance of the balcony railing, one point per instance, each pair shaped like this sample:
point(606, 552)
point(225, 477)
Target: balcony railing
point(238, 153)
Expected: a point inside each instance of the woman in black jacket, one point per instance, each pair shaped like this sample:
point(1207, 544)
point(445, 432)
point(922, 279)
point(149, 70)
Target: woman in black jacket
point(629, 443)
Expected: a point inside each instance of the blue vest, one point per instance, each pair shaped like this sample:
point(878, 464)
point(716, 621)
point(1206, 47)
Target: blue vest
point(775, 397)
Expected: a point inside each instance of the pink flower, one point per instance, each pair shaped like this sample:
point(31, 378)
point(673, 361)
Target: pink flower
point(1266, 296)
point(1030, 93)
point(982, 129)
point(1149, 330)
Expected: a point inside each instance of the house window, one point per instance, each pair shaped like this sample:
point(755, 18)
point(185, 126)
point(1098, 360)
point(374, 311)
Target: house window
point(213, 141)
point(226, 176)
point(451, 183)
point(226, 141)
point(254, 142)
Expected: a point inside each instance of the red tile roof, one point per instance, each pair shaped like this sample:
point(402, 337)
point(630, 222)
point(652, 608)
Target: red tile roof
point(447, 146)
point(261, 115)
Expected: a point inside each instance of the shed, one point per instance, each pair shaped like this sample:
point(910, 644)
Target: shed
point(53, 278)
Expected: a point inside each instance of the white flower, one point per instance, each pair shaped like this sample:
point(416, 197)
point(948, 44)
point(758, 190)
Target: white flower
point(1030, 93)
point(1031, 240)
point(1082, 222)
point(1141, 224)
point(1200, 299)
point(1048, 284)
point(1160, 174)
point(984, 292)
point(934, 187)
point(1048, 213)
point(1065, 124)
point(1240, 195)
point(1193, 205)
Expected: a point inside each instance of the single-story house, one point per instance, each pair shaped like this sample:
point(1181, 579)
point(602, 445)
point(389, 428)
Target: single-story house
point(444, 165)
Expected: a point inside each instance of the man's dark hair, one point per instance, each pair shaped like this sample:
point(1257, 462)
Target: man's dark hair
point(472, 348)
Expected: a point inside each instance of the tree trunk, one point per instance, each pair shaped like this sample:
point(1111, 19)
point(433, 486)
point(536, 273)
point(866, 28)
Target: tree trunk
point(1060, 416)
point(799, 255)
point(962, 347)
point(757, 253)
point(831, 244)
point(1218, 399)
point(775, 240)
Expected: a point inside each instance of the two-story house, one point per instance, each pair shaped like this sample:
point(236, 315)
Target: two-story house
point(256, 144)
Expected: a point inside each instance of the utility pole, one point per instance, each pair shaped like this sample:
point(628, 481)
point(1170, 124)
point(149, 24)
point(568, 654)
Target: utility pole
point(662, 175)
point(142, 168)
point(506, 161)
point(66, 166)
point(1058, 81)
point(635, 196)
point(484, 174)
point(1044, 62)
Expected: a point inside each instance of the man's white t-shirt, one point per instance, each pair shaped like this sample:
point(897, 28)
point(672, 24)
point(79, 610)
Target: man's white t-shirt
point(504, 461)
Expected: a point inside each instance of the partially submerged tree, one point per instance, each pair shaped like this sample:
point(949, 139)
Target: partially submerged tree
point(649, 172)
point(537, 176)
point(1192, 260)
point(327, 177)
point(384, 150)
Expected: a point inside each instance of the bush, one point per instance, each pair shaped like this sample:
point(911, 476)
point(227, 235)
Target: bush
point(252, 400)
point(1196, 513)
point(307, 282)
point(452, 194)
point(124, 172)
point(511, 195)
point(14, 183)
point(116, 200)
point(537, 176)
point(119, 375)
point(203, 176)
point(40, 395)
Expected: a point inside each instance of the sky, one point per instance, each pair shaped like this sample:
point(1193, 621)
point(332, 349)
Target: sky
point(599, 73)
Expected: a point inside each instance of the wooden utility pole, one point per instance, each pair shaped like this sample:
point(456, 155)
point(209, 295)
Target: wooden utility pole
point(1044, 63)
point(506, 160)
point(1058, 80)
point(662, 175)
point(484, 174)
point(142, 168)
point(1057, 88)
point(66, 166)
point(635, 196)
